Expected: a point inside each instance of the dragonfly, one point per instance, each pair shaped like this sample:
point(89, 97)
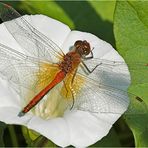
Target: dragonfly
point(75, 77)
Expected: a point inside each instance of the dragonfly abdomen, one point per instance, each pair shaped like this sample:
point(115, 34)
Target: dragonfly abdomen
point(58, 78)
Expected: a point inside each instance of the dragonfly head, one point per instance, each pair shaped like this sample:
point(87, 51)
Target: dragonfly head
point(82, 47)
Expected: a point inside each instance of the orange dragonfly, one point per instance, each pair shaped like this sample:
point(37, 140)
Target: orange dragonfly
point(74, 75)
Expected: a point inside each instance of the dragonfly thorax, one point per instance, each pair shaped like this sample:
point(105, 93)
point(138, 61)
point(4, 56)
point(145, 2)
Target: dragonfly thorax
point(70, 62)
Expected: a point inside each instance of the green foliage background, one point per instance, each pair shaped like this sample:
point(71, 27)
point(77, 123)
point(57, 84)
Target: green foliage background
point(131, 33)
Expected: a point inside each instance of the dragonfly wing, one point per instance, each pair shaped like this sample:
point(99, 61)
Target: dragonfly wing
point(21, 70)
point(29, 38)
point(121, 66)
point(108, 74)
point(99, 98)
point(88, 94)
point(114, 73)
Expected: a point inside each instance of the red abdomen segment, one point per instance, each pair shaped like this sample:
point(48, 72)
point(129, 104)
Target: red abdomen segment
point(58, 78)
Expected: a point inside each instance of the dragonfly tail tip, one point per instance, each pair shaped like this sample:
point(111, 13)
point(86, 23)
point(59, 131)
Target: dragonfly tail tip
point(21, 114)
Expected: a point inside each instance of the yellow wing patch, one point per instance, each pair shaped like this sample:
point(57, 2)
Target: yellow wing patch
point(45, 75)
point(72, 85)
point(60, 97)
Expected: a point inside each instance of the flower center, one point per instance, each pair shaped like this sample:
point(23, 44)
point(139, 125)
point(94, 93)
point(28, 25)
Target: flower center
point(52, 105)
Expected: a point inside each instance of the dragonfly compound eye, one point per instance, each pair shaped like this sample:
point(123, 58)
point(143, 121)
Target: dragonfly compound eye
point(86, 48)
point(78, 43)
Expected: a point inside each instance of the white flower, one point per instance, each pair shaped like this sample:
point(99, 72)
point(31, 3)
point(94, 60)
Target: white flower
point(76, 127)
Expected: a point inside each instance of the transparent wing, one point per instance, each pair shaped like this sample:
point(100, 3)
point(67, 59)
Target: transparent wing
point(82, 93)
point(99, 98)
point(108, 64)
point(113, 72)
point(29, 38)
point(24, 71)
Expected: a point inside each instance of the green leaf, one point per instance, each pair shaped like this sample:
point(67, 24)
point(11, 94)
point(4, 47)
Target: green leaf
point(34, 139)
point(131, 35)
point(104, 8)
point(29, 135)
point(90, 16)
point(2, 127)
point(42, 141)
point(13, 135)
point(49, 8)
point(111, 140)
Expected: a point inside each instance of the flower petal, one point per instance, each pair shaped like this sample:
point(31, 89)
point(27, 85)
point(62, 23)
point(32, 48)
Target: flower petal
point(54, 129)
point(10, 105)
point(77, 128)
point(9, 116)
point(85, 129)
point(100, 47)
point(120, 75)
point(51, 28)
point(84, 122)
point(48, 26)
point(7, 39)
point(103, 50)
point(8, 97)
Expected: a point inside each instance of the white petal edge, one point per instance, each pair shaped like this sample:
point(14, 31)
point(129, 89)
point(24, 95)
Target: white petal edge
point(85, 128)
point(100, 47)
point(10, 105)
point(53, 29)
point(9, 116)
point(8, 98)
point(54, 129)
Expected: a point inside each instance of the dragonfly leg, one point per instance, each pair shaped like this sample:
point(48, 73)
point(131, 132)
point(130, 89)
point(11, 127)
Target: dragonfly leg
point(73, 77)
point(73, 99)
point(90, 71)
point(65, 88)
point(72, 91)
